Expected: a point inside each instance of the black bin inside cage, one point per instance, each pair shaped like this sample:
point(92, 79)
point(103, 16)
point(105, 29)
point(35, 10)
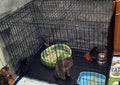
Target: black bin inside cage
point(81, 24)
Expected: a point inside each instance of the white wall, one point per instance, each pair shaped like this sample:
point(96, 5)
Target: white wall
point(2, 57)
point(6, 7)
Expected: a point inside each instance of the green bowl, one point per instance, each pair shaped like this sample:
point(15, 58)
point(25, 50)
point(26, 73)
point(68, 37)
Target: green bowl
point(55, 52)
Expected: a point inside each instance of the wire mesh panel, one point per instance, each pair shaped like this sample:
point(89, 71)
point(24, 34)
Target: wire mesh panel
point(20, 37)
point(83, 18)
point(80, 24)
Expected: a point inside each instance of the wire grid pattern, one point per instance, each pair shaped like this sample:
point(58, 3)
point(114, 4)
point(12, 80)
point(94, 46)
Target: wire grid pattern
point(81, 24)
point(86, 17)
point(20, 37)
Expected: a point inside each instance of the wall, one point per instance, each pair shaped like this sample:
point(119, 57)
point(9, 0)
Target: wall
point(6, 7)
point(2, 58)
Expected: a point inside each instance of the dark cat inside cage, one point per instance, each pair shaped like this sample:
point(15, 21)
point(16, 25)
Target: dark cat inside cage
point(62, 68)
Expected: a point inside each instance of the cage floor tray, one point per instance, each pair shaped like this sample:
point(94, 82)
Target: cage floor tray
point(40, 72)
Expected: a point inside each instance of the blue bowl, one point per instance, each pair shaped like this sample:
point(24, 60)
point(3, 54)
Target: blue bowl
point(91, 78)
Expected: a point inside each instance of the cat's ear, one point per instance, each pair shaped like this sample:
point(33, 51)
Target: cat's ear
point(7, 65)
point(70, 58)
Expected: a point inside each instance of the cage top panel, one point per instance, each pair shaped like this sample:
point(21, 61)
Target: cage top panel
point(84, 10)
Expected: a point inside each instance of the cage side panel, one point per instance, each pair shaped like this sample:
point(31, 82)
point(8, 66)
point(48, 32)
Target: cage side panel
point(77, 23)
point(20, 37)
point(85, 22)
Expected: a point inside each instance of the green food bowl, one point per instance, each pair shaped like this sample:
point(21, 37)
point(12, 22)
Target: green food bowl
point(55, 52)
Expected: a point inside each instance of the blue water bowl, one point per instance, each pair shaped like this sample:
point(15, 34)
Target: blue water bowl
point(91, 78)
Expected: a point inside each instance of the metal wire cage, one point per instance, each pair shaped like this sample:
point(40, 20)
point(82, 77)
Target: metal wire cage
point(81, 24)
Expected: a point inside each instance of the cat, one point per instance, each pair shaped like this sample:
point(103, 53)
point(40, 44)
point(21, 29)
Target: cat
point(3, 80)
point(62, 68)
point(6, 76)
